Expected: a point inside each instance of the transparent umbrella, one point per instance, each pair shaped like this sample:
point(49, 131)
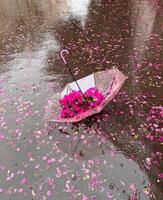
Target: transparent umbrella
point(108, 82)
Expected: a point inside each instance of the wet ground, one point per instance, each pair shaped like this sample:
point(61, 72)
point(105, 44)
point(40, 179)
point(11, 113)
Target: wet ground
point(114, 155)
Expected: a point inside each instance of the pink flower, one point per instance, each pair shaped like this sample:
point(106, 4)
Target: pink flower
point(74, 103)
point(84, 198)
point(161, 138)
point(160, 175)
point(23, 181)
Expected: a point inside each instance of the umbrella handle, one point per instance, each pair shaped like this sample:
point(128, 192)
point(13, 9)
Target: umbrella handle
point(61, 54)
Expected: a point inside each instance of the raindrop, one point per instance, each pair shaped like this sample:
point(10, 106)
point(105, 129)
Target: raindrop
point(74, 177)
point(82, 153)
point(121, 164)
point(112, 186)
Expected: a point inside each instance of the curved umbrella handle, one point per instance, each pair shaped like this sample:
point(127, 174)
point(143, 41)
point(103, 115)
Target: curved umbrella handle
point(61, 54)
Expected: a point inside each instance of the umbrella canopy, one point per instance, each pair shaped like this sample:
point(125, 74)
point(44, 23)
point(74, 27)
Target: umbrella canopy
point(108, 82)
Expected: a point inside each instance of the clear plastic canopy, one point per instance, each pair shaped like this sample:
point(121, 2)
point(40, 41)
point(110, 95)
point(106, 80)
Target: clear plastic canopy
point(107, 82)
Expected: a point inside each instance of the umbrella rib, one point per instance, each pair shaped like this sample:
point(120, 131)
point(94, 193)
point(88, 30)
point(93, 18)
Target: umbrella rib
point(53, 101)
point(111, 85)
point(76, 146)
point(102, 150)
point(70, 87)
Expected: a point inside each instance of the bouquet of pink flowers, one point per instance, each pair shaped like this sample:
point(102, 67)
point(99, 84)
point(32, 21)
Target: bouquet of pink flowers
point(74, 103)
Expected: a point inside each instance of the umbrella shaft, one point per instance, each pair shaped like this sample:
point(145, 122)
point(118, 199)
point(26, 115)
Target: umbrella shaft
point(76, 82)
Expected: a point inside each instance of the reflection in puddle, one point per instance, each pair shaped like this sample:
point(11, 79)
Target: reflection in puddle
point(99, 162)
point(50, 10)
point(145, 18)
point(79, 9)
point(26, 66)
